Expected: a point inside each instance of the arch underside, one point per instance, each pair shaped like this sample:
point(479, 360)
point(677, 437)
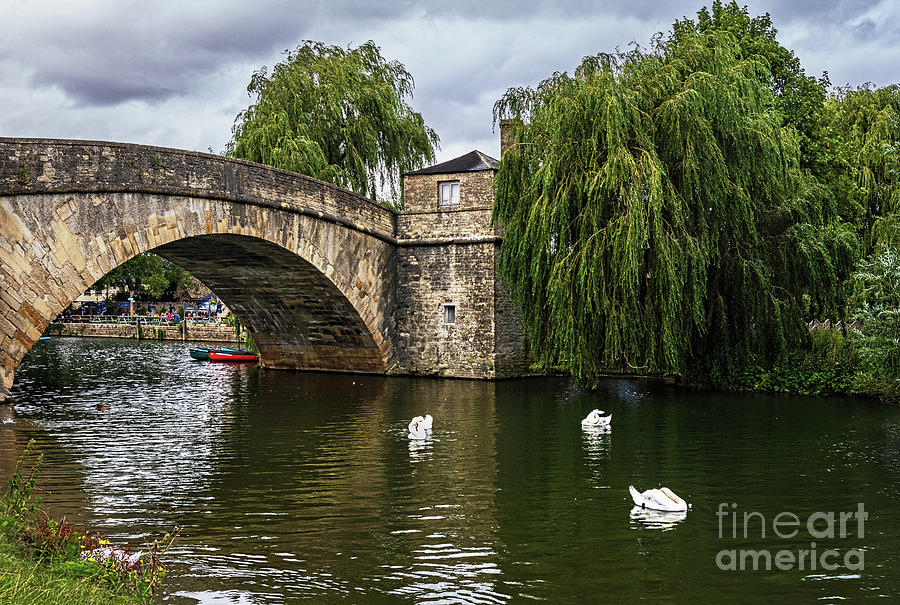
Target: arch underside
point(296, 315)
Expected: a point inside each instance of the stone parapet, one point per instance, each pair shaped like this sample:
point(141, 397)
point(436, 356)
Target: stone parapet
point(30, 166)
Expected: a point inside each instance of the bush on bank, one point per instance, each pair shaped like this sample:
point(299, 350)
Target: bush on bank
point(863, 361)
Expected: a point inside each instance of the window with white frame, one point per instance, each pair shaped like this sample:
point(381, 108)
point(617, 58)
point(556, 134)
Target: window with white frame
point(449, 313)
point(448, 193)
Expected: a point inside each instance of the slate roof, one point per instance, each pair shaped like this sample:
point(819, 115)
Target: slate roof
point(474, 161)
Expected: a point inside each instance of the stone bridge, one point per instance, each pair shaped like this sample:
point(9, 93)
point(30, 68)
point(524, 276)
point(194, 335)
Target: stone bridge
point(311, 269)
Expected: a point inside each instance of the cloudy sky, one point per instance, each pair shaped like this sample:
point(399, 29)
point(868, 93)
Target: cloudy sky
point(174, 73)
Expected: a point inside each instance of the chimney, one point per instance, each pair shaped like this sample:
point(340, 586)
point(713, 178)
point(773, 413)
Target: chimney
point(505, 141)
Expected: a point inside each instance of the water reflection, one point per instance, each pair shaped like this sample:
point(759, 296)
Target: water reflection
point(448, 532)
point(420, 449)
point(645, 518)
point(596, 441)
point(304, 486)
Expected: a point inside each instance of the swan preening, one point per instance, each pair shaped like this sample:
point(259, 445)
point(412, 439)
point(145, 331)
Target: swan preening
point(595, 418)
point(426, 422)
point(658, 499)
point(420, 426)
point(657, 519)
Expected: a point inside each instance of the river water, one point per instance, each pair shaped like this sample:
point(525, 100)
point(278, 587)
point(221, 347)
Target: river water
point(292, 486)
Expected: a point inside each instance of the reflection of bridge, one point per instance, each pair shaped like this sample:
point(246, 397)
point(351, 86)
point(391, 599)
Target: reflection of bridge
point(314, 271)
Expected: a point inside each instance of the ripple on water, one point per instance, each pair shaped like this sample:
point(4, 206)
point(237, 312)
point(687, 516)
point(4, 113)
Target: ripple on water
point(292, 486)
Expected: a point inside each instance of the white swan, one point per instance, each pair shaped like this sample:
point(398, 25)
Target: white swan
point(427, 422)
point(657, 519)
point(658, 499)
point(595, 419)
point(415, 428)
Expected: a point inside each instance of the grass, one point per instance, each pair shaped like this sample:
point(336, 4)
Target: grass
point(25, 581)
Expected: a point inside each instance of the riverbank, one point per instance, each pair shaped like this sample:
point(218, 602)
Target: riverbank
point(48, 582)
point(48, 560)
point(833, 365)
point(181, 331)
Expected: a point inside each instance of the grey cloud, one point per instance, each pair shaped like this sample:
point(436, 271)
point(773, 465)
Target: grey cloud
point(100, 90)
point(188, 63)
point(143, 55)
point(135, 51)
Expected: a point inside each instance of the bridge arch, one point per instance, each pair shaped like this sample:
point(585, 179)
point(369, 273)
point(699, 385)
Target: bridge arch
point(307, 266)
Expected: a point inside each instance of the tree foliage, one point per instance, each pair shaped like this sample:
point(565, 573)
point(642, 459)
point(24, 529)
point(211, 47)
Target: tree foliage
point(799, 98)
point(336, 114)
point(864, 131)
point(156, 275)
point(655, 214)
point(876, 306)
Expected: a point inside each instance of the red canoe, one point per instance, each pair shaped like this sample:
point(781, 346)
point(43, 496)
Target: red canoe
point(232, 357)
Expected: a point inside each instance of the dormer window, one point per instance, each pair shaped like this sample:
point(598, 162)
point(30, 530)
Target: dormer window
point(448, 193)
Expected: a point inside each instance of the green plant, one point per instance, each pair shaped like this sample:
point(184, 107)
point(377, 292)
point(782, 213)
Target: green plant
point(53, 538)
point(24, 175)
point(20, 502)
point(339, 115)
point(876, 307)
point(655, 215)
point(61, 549)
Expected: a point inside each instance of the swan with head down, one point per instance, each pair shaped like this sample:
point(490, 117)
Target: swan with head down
point(427, 422)
point(658, 499)
point(595, 418)
point(416, 431)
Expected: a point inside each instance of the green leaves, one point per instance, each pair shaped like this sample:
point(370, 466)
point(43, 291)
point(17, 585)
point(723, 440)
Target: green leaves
point(876, 307)
point(864, 132)
point(155, 274)
point(339, 115)
point(19, 501)
point(655, 214)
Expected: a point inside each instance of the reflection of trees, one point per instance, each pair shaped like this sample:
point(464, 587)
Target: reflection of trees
point(445, 532)
point(320, 464)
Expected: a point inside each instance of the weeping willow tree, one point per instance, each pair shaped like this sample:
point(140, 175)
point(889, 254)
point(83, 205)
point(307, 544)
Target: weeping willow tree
point(655, 216)
point(865, 133)
point(340, 115)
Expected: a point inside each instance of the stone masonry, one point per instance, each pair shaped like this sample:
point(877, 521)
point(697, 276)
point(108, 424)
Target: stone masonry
point(324, 279)
point(195, 331)
point(485, 339)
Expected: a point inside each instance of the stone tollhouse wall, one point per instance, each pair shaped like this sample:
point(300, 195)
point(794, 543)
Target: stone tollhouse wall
point(458, 268)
